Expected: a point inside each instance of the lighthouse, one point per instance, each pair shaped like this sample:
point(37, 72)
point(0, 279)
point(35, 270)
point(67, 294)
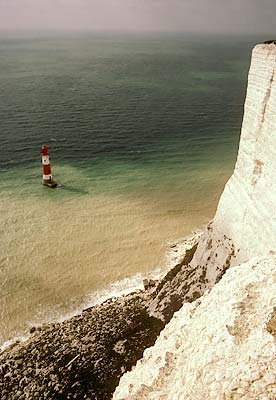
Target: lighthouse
point(46, 167)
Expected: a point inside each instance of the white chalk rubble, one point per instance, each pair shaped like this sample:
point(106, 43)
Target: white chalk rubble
point(218, 347)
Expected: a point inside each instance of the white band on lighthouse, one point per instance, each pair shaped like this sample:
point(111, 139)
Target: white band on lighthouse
point(45, 160)
point(47, 177)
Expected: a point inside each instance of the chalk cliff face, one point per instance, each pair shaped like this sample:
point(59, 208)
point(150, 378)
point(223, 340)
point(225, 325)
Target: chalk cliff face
point(245, 221)
point(222, 345)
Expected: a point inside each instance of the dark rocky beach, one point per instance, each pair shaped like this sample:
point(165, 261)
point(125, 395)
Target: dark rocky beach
point(85, 356)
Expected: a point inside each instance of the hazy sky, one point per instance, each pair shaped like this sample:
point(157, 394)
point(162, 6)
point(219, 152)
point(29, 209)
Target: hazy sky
point(230, 16)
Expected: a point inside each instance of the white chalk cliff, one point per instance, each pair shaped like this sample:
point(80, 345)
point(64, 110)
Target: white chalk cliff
point(223, 345)
point(245, 221)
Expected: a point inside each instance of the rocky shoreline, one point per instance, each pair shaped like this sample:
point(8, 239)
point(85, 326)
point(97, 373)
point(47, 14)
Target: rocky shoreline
point(85, 356)
point(81, 358)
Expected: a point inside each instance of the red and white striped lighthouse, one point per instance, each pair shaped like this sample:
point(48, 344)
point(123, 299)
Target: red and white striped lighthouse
point(47, 175)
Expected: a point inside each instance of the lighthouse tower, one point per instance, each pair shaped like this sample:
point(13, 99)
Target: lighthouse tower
point(47, 175)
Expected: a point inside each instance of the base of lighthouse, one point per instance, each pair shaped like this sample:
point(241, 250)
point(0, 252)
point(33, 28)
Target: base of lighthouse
point(50, 183)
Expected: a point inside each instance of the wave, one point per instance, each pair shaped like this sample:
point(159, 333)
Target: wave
point(115, 289)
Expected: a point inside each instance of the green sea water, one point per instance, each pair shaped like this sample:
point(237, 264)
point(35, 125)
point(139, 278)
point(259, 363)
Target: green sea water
point(143, 133)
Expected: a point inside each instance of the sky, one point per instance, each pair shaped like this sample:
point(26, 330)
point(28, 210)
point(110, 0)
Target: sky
point(214, 16)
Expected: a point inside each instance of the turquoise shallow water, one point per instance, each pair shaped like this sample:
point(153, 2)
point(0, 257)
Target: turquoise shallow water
point(142, 132)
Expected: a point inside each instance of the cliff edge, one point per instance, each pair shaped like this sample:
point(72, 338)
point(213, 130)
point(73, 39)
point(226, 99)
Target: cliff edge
point(222, 345)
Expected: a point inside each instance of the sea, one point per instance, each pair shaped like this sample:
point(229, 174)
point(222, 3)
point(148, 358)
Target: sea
point(142, 132)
